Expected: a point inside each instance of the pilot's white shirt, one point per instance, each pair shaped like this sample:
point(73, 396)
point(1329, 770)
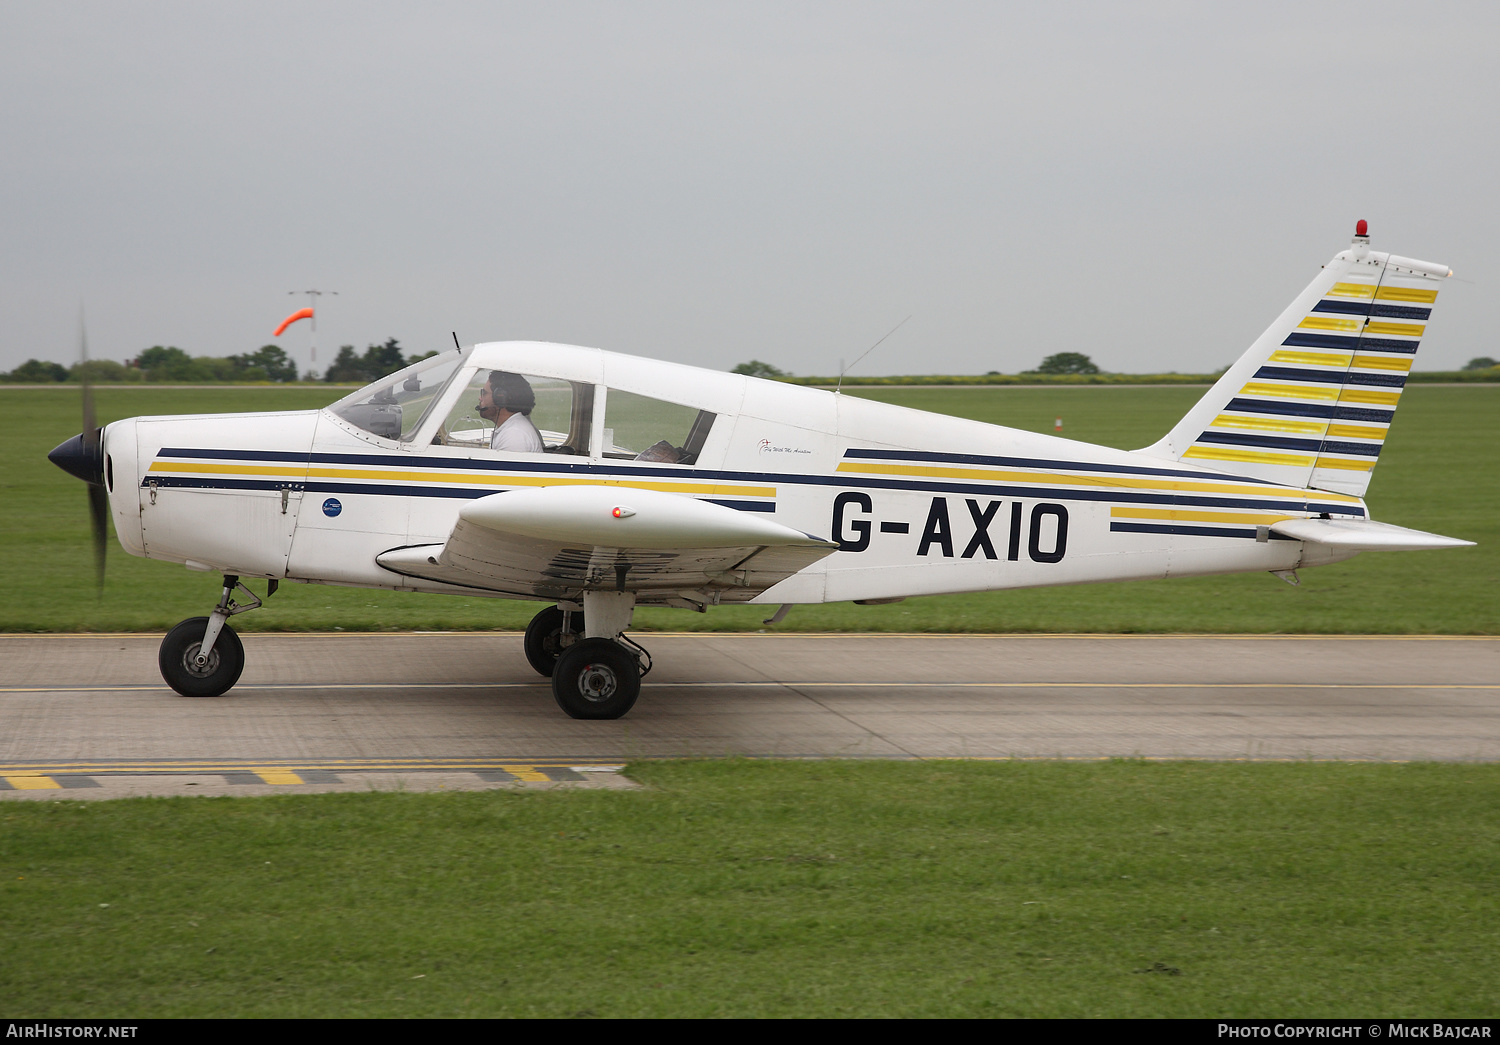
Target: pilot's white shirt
point(518, 435)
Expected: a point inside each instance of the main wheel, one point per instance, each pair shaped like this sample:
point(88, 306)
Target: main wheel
point(596, 678)
point(545, 638)
point(178, 659)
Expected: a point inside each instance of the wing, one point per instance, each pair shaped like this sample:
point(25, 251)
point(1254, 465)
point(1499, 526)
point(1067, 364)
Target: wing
point(557, 542)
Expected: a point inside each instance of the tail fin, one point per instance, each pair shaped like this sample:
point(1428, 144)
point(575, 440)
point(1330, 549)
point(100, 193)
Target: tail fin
point(1310, 402)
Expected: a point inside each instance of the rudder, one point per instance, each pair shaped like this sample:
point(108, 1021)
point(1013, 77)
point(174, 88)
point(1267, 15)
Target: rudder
point(1310, 402)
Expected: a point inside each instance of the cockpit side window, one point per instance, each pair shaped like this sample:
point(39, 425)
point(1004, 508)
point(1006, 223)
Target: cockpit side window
point(640, 428)
point(395, 406)
point(560, 411)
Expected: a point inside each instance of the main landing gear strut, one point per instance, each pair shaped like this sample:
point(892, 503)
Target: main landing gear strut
point(202, 656)
point(596, 671)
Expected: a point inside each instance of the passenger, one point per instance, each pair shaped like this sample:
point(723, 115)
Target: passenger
point(507, 400)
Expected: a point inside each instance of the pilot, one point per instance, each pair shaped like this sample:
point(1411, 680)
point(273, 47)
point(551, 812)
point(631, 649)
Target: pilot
point(507, 400)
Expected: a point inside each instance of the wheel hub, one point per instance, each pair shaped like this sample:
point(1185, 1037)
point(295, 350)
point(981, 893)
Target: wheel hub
point(192, 667)
point(597, 682)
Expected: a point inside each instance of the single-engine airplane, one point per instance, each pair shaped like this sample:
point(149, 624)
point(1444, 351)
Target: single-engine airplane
point(597, 482)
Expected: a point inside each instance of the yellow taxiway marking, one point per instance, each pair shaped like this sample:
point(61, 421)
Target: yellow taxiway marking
point(528, 773)
point(277, 776)
point(44, 771)
point(29, 781)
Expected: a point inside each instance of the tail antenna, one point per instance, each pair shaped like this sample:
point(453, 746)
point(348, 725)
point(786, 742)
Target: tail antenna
point(840, 386)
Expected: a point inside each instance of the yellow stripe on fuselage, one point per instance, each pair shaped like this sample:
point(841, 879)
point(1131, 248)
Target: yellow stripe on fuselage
point(1344, 393)
point(1328, 323)
point(1268, 424)
point(1214, 453)
point(1057, 478)
point(1404, 294)
point(1262, 388)
point(1350, 394)
point(1401, 363)
point(1355, 432)
point(1401, 329)
point(1346, 465)
point(1310, 358)
point(458, 478)
point(1186, 515)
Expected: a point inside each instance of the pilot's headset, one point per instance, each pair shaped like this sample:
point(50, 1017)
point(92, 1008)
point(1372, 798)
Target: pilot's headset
point(511, 392)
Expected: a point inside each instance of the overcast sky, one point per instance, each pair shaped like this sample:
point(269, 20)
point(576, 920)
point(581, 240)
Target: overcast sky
point(1146, 183)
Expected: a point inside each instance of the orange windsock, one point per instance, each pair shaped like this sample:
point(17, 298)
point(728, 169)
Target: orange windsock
point(301, 313)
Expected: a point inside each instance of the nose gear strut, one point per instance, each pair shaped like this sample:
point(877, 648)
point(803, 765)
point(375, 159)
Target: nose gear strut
point(202, 656)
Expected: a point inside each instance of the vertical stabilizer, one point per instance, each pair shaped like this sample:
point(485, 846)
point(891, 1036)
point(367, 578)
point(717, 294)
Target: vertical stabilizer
point(1310, 402)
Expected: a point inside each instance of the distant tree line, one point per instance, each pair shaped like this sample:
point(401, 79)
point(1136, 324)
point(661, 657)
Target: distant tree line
point(377, 361)
point(755, 368)
point(165, 364)
point(170, 365)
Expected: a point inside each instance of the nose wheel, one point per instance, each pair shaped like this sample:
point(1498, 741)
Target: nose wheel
point(190, 673)
point(596, 678)
point(202, 656)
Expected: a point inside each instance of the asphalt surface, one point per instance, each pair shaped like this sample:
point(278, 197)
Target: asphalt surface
point(88, 715)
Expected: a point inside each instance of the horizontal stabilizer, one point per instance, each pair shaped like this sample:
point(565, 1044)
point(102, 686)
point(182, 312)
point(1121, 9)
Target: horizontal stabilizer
point(1363, 535)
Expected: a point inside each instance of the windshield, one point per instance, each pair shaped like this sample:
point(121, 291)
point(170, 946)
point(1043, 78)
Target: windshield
point(395, 406)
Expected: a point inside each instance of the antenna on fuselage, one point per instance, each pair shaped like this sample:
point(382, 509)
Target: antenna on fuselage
point(844, 370)
point(455, 341)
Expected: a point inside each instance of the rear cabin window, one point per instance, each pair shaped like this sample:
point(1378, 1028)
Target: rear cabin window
point(639, 428)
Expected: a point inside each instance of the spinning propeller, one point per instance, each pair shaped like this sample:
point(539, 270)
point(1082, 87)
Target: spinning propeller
point(83, 457)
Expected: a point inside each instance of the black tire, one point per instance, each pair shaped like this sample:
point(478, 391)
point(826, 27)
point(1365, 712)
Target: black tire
point(544, 638)
point(596, 678)
point(179, 651)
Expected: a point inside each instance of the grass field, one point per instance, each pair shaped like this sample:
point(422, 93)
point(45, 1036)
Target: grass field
point(1439, 472)
point(776, 889)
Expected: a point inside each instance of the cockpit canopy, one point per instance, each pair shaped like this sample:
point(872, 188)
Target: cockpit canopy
point(435, 400)
point(395, 406)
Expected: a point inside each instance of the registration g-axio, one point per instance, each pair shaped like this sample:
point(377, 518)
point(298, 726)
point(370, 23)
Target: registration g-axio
point(595, 482)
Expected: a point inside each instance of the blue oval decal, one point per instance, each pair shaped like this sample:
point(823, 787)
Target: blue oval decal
point(331, 507)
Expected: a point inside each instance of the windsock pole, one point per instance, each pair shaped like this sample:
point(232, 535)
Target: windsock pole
point(312, 302)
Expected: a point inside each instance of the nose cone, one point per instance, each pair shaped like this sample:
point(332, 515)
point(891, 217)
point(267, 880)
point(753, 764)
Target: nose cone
point(81, 457)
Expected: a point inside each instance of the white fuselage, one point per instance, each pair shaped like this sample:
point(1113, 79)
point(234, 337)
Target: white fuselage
point(921, 503)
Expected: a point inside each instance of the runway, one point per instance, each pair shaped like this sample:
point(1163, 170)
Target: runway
point(88, 715)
